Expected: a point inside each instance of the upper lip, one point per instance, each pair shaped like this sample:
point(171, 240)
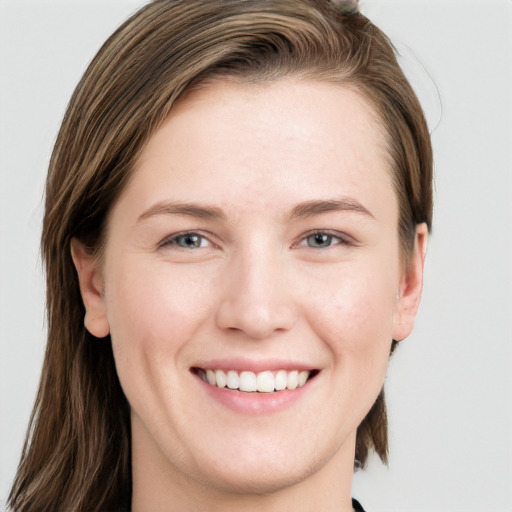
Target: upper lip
point(240, 364)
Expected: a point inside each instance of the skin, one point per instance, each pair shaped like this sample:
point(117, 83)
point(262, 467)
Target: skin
point(256, 289)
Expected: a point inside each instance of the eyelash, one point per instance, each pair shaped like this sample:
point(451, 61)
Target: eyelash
point(332, 235)
point(341, 239)
point(173, 240)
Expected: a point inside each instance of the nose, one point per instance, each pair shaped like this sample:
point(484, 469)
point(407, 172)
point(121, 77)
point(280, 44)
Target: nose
point(256, 300)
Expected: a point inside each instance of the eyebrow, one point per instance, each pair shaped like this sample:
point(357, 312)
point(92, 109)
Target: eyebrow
point(196, 210)
point(300, 211)
point(316, 207)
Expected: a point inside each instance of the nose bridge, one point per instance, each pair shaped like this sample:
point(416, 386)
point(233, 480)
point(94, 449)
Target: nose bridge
point(255, 298)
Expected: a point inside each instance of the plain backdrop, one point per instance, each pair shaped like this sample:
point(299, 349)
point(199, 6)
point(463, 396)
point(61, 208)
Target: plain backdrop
point(449, 385)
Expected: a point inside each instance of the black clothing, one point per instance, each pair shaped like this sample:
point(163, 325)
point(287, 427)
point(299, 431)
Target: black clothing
point(357, 506)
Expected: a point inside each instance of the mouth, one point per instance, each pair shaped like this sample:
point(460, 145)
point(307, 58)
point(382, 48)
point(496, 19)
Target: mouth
point(267, 381)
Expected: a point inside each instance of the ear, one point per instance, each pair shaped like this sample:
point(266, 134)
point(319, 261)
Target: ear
point(91, 289)
point(411, 284)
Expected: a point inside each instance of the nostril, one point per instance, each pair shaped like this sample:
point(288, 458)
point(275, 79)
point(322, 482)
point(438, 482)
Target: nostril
point(257, 314)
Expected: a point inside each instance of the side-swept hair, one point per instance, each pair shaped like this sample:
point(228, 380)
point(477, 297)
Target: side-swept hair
point(77, 453)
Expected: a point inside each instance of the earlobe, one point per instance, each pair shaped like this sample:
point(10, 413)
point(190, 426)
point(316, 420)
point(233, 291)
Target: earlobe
point(411, 285)
point(91, 289)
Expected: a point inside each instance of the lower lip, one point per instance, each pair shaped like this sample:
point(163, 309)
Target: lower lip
point(255, 403)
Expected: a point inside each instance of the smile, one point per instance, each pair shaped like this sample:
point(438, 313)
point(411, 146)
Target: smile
point(250, 382)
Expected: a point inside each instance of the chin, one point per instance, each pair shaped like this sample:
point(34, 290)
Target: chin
point(258, 481)
point(262, 475)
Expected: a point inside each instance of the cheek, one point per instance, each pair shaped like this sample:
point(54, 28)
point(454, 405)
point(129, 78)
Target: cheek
point(355, 314)
point(153, 314)
point(153, 311)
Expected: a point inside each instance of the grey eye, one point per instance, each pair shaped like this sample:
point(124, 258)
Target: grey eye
point(189, 241)
point(319, 240)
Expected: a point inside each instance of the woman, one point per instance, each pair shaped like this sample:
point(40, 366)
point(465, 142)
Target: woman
point(237, 209)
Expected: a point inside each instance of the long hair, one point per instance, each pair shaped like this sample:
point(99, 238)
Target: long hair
point(77, 453)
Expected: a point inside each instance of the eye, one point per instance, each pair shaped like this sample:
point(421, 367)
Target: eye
point(319, 240)
point(323, 240)
point(187, 241)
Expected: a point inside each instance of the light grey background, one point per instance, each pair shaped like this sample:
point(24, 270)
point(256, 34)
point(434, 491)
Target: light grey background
point(449, 386)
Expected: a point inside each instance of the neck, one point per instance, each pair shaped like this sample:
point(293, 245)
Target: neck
point(158, 485)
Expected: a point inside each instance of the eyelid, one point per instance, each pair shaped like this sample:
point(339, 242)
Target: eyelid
point(343, 238)
point(170, 240)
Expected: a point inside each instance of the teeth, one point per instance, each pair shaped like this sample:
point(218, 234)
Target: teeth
point(221, 379)
point(233, 381)
point(248, 381)
point(303, 377)
point(292, 381)
point(263, 382)
point(210, 377)
point(280, 380)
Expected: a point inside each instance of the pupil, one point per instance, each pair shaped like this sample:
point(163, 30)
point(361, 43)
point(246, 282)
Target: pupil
point(190, 241)
point(321, 240)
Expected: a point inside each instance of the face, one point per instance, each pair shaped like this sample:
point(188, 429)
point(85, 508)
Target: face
point(252, 284)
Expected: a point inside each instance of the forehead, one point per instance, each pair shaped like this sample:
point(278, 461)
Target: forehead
point(274, 144)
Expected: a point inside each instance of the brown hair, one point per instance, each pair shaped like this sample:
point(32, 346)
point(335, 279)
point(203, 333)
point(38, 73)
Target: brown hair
point(77, 453)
